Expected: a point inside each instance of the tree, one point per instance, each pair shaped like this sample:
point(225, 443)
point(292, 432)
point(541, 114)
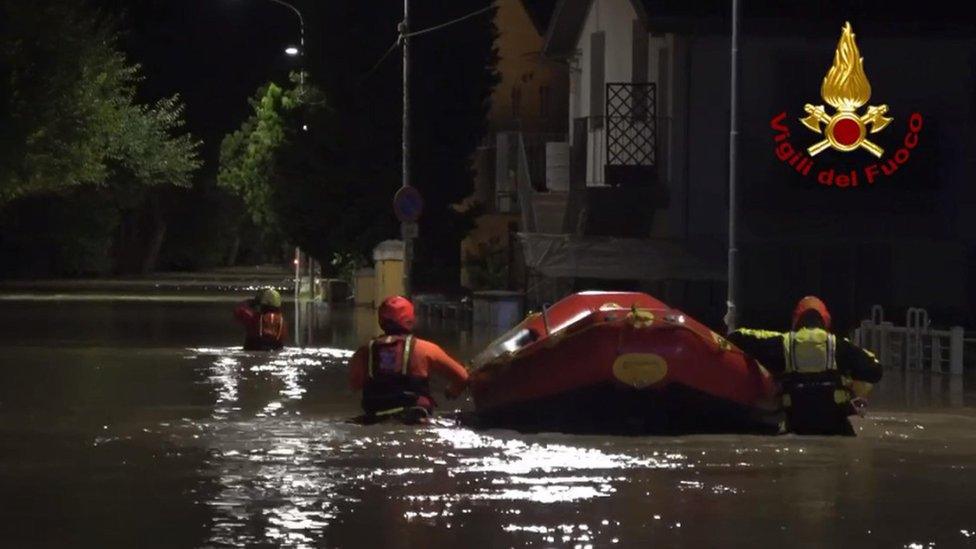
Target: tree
point(329, 189)
point(74, 131)
point(248, 155)
point(301, 184)
point(69, 114)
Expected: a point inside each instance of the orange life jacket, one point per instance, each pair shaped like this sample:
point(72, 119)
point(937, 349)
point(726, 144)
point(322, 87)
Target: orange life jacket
point(389, 385)
point(271, 325)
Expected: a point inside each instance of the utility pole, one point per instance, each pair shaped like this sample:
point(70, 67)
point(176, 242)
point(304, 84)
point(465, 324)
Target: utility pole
point(731, 320)
point(407, 239)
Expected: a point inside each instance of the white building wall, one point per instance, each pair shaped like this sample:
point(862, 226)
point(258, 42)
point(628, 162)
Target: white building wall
point(614, 18)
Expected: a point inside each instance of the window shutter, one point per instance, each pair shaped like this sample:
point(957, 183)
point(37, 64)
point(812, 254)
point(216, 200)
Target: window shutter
point(597, 78)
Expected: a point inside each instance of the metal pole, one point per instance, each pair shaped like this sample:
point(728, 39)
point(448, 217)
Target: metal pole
point(298, 285)
point(301, 28)
point(731, 320)
point(407, 241)
point(301, 92)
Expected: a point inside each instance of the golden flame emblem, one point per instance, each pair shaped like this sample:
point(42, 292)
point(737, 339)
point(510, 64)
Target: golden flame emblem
point(846, 88)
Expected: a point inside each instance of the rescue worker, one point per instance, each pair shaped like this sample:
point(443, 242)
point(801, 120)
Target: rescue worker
point(393, 370)
point(264, 323)
point(822, 376)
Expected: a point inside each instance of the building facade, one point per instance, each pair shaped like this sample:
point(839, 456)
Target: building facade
point(664, 67)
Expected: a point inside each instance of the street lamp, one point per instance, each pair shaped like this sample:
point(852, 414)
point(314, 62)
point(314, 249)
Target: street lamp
point(299, 51)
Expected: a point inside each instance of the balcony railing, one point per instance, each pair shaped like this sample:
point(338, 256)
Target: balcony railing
point(631, 134)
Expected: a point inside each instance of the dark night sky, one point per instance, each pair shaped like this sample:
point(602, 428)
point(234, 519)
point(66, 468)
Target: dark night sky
point(214, 53)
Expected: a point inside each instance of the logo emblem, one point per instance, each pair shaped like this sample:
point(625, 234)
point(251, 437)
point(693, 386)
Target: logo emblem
point(846, 89)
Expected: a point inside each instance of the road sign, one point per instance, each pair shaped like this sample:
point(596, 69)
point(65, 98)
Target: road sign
point(409, 230)
point(408, 204)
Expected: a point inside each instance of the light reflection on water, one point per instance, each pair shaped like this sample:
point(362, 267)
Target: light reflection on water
point(299, 479)
point(144, 430)
point(285, 479)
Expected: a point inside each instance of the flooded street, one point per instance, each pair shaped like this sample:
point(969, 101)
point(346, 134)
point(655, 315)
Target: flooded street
point(141, 423)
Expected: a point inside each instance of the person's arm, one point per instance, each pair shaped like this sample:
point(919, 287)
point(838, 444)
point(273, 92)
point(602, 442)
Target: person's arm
point(763, 345)
point(357, 369)
point(441, 364)
point(856, 362)
point(244, 312)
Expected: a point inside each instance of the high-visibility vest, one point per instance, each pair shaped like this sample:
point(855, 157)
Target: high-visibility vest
point(389, 355)
point(809, 351)
point(813, 351)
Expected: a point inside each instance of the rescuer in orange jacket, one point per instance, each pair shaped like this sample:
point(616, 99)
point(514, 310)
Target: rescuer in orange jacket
point(393, 370)
point(264, 325)
point(819, 372)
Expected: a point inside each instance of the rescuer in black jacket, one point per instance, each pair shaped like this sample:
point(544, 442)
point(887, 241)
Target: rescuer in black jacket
point(819, 373)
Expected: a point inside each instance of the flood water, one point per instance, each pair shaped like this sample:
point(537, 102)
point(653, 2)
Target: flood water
point(139, 423)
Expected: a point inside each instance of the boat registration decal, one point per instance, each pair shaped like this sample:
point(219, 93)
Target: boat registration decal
point(640, 370)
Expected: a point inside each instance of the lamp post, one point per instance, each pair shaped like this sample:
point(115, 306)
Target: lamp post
point(731, 314)
point(407, 239)
point(300, 52)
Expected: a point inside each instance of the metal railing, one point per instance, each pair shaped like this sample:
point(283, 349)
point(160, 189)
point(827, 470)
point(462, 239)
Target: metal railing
point(914, 346)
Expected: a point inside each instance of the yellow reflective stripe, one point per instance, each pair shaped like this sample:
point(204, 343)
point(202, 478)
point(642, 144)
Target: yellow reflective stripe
point(407, 351)
point(764, 334)
point(831, 352)
point(389, 412)
point(787, 351)
point(369, 361)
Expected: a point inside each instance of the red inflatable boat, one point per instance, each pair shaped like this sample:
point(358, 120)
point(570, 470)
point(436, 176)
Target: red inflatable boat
point(620, 362)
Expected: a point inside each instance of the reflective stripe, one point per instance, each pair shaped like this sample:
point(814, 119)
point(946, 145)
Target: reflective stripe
point(389, 412)
point(760, 334)
point(369, 361)
point(407, 351)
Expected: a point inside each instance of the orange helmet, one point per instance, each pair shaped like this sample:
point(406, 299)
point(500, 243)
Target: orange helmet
point(811, 303)
point(396, 315)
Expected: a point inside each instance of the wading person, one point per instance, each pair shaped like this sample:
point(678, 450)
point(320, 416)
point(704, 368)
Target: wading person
point(393, 370)
point(264, 324)
point(820, 373)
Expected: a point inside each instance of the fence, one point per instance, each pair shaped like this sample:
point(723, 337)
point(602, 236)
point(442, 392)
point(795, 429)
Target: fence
point(914, 346)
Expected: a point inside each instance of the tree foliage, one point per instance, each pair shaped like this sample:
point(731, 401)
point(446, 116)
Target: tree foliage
point(304, 185)
point(69, 113)
point(248, 155)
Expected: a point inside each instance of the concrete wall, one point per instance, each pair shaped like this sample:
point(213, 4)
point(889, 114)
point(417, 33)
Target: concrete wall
point(615, 18)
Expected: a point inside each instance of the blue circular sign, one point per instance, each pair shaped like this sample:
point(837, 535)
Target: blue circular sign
point(408, 204)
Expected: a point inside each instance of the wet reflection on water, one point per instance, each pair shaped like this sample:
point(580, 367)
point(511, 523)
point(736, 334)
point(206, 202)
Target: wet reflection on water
point(231, 448)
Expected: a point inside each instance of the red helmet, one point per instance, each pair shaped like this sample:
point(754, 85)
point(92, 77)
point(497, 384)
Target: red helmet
point(811, 303)
point(396, 315)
